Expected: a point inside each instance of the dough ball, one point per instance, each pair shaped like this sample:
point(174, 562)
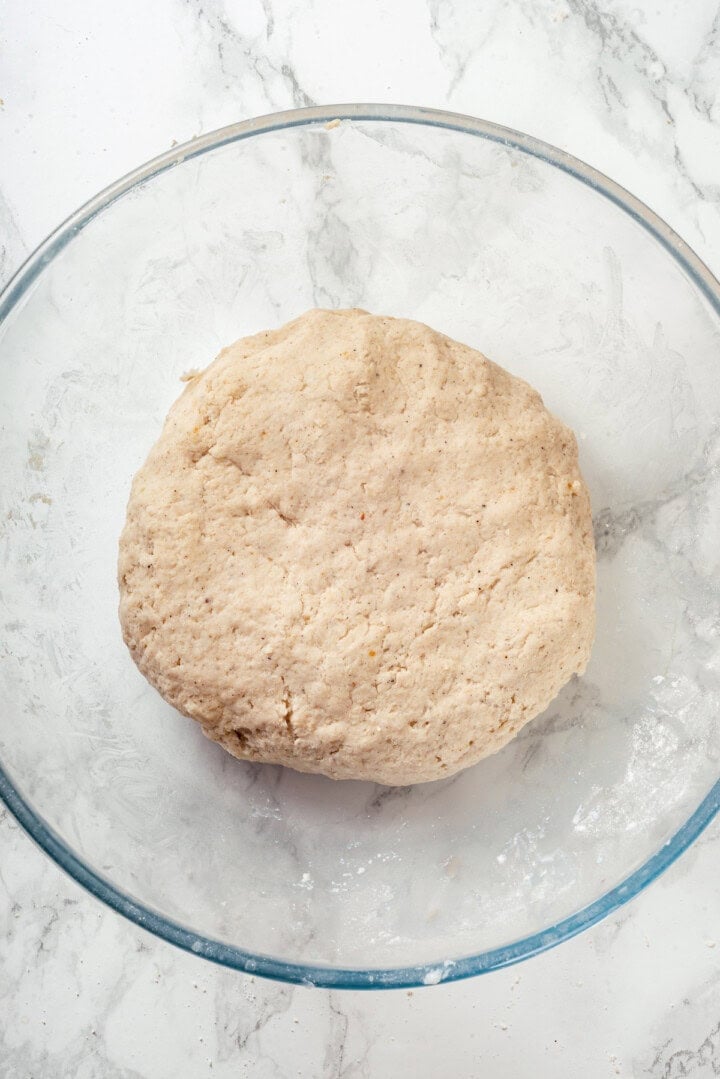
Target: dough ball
point(359, 548)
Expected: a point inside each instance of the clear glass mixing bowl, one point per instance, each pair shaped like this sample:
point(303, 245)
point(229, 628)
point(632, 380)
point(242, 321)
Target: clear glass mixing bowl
point(501, 242)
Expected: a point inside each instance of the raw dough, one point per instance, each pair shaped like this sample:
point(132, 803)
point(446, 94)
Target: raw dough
point(359, 548)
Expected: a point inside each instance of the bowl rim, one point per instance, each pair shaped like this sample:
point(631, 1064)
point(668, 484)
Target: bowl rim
point(227, 955)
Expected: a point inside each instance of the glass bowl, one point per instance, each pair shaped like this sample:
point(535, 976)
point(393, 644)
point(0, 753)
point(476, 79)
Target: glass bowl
point(499, 241)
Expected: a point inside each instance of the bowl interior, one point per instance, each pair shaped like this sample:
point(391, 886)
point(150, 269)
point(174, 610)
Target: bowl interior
point(500, 250)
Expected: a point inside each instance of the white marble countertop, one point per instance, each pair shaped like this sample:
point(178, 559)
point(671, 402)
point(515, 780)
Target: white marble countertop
point(90, 91)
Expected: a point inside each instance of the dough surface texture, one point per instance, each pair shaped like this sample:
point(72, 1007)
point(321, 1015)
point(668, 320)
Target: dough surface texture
point(359, 548)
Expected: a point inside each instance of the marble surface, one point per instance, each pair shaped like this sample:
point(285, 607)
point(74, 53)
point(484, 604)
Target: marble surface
point(89, 92)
